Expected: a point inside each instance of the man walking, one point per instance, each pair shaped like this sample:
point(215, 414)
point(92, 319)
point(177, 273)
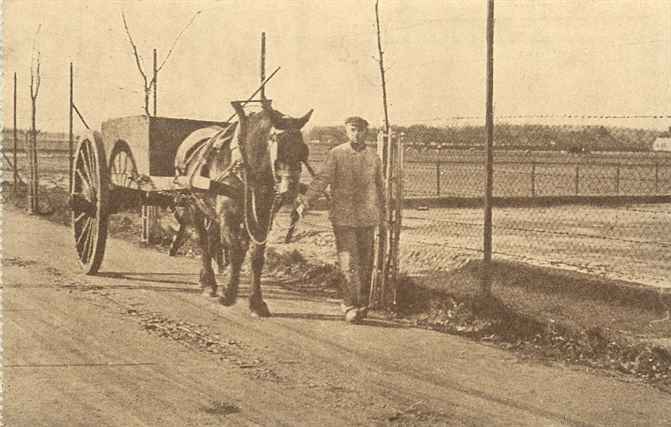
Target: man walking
point(354, 173)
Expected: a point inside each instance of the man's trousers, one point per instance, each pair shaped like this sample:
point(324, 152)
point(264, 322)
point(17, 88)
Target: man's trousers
point(355, 259)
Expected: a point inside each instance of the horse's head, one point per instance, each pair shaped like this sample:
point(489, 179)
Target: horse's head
point(275, 148)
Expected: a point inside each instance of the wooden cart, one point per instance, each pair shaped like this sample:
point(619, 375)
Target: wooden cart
point(129, 163)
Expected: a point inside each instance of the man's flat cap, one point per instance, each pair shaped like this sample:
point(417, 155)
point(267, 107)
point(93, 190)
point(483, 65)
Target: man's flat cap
point(356, 121)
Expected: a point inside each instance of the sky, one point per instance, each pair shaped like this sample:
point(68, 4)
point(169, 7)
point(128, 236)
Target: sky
point(560, 57)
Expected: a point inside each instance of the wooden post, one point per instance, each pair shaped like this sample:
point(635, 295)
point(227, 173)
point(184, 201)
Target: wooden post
point(16, 165)
point(533, 178)
point(656, 177)
point(33, 196)
point(398, 220)
point(438, 178)
point(70, 132)
point(145, 236)
point(263, 65)
point(378, 260)
point(386, 248)
point(150, 213)
point(577, 178)
point(382, 247)
point(486, 282)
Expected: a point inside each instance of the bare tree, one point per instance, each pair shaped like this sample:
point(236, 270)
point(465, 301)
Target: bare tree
point(380, 60)
point(149, 84)
point(35, 80)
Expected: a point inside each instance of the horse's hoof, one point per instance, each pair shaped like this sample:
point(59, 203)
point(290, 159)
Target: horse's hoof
point(227, 300)
point(259, 309)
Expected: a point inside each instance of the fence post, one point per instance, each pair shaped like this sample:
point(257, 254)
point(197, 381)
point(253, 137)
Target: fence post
point(71, 138)
point(617, 179)
point(16, 165)
point(656, 178)
point(149, 212)
point(533, 178)
point(438, 178)
point(577, 178)
point(486, 274)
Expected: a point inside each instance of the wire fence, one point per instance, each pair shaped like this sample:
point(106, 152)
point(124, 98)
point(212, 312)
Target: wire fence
point(590, 198)
point(538, 175)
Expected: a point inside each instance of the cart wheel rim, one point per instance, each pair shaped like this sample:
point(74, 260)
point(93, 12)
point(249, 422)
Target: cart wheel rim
point(89, 203)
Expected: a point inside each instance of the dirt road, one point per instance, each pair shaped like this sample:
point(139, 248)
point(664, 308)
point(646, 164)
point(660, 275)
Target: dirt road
point(138, 345)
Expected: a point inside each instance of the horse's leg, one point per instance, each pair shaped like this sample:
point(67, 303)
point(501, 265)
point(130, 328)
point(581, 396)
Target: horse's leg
point(225, 253)
point(237, 244)
point(207, 279)
point(216, 246)
point(256, 304)
point(180, 237)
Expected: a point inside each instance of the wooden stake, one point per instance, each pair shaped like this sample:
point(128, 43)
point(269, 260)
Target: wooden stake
point(16, 165)
point(486, 283)
point(71, 139)
point(263, 65)
point(381, 63)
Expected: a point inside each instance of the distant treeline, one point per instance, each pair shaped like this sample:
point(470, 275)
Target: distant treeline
point(46, 141)
point(533, 137)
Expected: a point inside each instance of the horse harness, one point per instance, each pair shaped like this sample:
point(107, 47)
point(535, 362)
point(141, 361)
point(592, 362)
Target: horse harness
point(235, 175)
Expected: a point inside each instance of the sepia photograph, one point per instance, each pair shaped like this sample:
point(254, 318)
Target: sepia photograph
point(335, 213)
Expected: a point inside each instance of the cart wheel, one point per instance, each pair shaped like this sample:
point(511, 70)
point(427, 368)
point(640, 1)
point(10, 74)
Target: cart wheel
point(122, 168)
point(89, 202)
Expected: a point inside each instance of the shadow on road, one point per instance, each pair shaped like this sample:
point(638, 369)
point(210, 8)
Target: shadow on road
point(337, 318)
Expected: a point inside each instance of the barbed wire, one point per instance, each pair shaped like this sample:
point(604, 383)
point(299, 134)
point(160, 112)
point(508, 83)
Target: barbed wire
point(550, 116)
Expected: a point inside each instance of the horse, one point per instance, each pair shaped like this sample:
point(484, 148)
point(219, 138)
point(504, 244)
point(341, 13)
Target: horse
point(264, 175)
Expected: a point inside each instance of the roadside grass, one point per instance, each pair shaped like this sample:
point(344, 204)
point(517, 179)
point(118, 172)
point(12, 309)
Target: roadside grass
point(548, 315)
point(539, 313)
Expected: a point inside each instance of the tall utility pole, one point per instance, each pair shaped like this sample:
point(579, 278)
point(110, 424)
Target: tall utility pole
point(16, 172)
point(70, 133)
point(263, 65)
point(35, 80)
point(486, 284)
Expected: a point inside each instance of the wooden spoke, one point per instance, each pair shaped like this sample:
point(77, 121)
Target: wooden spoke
point(82, 177)
point(87, 169)
point(92, 165)
point(89, 244)
point(122, 166)
point(83, 231)
point(80, 217)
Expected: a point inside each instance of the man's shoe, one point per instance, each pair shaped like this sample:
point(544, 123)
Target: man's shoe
point(352, 315)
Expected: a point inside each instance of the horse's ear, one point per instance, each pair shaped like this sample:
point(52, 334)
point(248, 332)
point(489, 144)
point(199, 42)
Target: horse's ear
point(280, 121)
point(276, 118)
point(239, 110)
point(267, 105)
point(303, 120)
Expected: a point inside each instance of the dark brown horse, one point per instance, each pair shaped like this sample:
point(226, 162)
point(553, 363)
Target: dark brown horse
point(264, 172)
